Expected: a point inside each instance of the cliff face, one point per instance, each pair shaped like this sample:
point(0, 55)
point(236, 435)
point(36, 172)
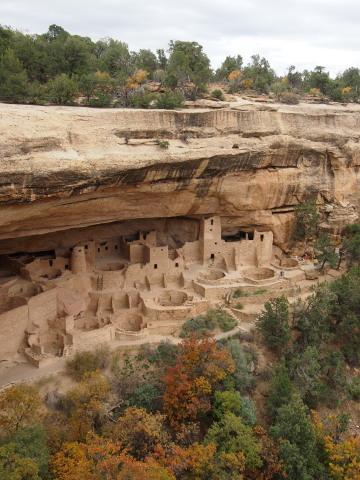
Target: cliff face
point(69, 168)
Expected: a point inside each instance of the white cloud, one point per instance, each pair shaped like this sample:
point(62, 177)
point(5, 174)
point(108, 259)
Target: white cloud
point(305, 33)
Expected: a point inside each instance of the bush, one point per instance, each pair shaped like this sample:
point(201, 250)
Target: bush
point(163, 144)
point(354, 388)
point(204, 324)
point(170, 100)
point(62, 90)
point(101, 101)
point(217, 93)
point(142, 99)
point(290, 98)
point(86, 362)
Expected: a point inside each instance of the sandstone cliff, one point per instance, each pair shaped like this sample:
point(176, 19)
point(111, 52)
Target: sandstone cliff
point(65, 168)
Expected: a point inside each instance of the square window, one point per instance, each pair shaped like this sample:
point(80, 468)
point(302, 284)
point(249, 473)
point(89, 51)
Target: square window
point(155, 266)
point(176, 264)
point(212, 256)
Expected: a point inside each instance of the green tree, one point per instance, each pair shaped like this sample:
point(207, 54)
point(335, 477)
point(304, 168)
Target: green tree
point(16, 467)
point(260, 73)
point(146, 60)
point(351, 243)
point(325, 252)
point(30, 444)
point(281, 390)
point(230, 401)
point(306, 220)
point(312, 318)
point(229, 65)
point(187, 63)
point(13, 78)
point(306, 371)
point(63, 89)
point(116, 59)
point(231, 435)
point(298, 446)
point(273, 324)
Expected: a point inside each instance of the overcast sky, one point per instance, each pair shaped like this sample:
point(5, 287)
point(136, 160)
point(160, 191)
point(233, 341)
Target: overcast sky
point(301, 32)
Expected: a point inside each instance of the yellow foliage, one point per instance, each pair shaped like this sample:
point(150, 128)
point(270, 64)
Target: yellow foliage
point(234, 75)
point(346, 90)
point(247, 83)
point(344, 458)
point(102, 75)
point(315, 92)
point(19, 406)
point(140, 76)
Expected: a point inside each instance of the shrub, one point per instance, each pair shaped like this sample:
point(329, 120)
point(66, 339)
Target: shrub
point(163, 144)
point(204, 324)
point(62, 90)
point(101, 101)
point(86, 362)
point(243, 378)
point(289, 98)
point(239, 306)
point(170, 100)
point(142, 99)
point(217, 93)
point(354, 388)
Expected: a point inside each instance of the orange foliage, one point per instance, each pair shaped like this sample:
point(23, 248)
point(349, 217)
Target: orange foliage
point(101, 459)
point(272, 465)
point(247, 83)
point(344, 458)
point(20, 405)
point(234, 75)
point(201, 364)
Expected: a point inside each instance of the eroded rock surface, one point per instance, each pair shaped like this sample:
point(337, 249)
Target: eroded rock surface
point(69, 168)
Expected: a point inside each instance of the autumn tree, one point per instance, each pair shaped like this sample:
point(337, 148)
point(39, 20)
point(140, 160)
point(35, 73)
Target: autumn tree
point(20, 405)
point(85, 405)
point(200, 366)
point(139, 432)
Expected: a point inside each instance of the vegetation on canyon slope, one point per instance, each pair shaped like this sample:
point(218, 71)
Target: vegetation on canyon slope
point(204, 410)
point(57, 67)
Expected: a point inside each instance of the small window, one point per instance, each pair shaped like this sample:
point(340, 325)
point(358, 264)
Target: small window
point(176, 264)
point(261, 238)
point(215, 243)
point(50, 263)
point(66, 267)
point(212, 222)
point(106, 248)
point(210, 229)
point(99, 250)
point(86, 247)
point(212, 256)
point(251, 236)
point(116, 247)
point(155, 266)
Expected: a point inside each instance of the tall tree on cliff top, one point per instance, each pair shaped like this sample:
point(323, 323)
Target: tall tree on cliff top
point(187, 63)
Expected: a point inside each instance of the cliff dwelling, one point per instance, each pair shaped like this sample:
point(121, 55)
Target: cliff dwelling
point(106, 238)
point(119, 287)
